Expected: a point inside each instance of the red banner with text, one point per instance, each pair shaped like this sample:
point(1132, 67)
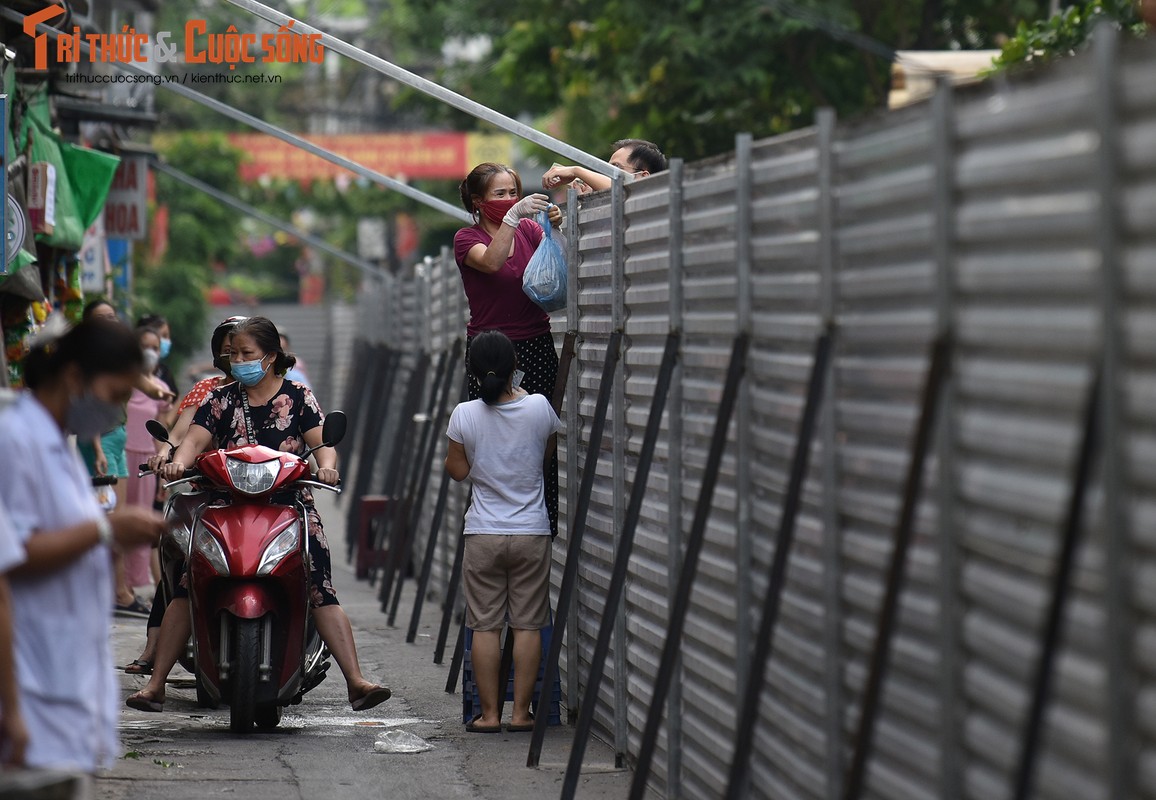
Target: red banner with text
point(403, 156)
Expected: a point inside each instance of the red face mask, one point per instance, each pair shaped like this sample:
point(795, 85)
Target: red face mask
point(495, 210)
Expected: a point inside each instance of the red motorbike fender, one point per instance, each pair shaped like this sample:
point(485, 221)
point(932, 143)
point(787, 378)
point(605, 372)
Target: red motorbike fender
point(246, 600)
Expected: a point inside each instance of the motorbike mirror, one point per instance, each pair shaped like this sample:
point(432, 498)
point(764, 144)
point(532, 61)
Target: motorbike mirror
point(157, 430)
point(333, 431)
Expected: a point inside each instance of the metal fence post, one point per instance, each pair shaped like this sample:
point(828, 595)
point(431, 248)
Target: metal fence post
point(395, 479)
point(574, 545)
point(377, 403)
point(937, 370)
point(951, 692)
point(832, 535)
point(438, 509)
point(617, 588)
point(449, 327)
point(423, 455)
point(1121, 677)
point(744, 550)
point(618, 453)
point(689, 571)
point(452, 327)
point(1061, 590)
point(451, 602)
point(573, 434)
point(748, 706)
point(425, 305)
point(674, 476)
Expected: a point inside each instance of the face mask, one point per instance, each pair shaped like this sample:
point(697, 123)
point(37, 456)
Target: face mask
point(249, 373)
point(166, 347)
point(151, 359)
point(89, 416)
point(222, 363)
point(494, 210)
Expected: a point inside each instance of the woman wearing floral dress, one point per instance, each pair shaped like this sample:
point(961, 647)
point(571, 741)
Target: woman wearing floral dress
point(264, 408)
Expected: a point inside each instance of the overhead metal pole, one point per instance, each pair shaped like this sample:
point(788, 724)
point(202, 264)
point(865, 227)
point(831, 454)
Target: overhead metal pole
point(435, 91)
point(241, 205)
point(227, 110)
point(435, 203)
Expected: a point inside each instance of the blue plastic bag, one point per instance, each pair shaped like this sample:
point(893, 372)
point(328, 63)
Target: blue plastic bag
point(544, 280)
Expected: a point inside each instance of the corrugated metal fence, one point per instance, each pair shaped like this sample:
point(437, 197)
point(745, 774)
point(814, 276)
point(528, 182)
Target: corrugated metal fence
point(1020, 219)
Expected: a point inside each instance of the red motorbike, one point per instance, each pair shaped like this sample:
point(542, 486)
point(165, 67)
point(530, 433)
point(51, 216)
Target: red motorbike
point(243, 534)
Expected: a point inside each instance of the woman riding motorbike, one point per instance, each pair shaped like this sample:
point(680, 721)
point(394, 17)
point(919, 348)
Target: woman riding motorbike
point(263, 408)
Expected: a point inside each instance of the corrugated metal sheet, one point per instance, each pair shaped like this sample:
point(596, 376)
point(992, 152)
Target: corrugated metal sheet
point(884, 301)
point(1014, 263)
point(709, 649)
point(1136, 454)
point(1026, 324)
point(647, 323)
point(310, 329)
point(595, 299)
point(789, 759)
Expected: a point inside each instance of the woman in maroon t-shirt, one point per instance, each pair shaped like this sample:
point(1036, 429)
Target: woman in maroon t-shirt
point(492, 255)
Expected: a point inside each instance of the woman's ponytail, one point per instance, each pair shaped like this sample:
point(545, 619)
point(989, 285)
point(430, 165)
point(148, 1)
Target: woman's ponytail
point(492, 361)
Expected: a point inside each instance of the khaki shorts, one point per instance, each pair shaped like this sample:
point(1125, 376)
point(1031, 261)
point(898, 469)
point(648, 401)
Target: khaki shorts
point(507, 574)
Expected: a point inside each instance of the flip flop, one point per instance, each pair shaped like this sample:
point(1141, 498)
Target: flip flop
point(134, 609)
point(473, 727)
point(142, 702)
point(139, 667)
point(512, 728)
point(375, 696)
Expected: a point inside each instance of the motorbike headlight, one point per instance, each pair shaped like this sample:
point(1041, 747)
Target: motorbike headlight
point(181, 537)
point(284, 544)
point(207, 545)
point(252, 478)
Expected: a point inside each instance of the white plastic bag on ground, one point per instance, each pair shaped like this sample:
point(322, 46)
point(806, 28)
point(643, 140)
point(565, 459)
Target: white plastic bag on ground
point(398, 741)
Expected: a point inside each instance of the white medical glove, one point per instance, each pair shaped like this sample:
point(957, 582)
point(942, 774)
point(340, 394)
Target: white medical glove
point(528, 206)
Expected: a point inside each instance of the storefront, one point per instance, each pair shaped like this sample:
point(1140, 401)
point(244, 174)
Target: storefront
point(63, 147)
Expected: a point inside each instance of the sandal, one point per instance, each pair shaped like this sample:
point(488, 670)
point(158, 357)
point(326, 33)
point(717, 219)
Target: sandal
point(144, 702)
point(139, 667)
point(375, 696)
point(473, 727)
point(512, 728)
point(134, 609)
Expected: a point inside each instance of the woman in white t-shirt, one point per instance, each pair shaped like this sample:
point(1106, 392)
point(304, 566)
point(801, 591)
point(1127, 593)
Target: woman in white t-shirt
point(499, 441)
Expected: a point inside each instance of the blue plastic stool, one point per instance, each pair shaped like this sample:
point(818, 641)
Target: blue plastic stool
point(472, 706)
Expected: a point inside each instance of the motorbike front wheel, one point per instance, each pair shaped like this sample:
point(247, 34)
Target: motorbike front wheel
point(247, 653)
point(268, 717)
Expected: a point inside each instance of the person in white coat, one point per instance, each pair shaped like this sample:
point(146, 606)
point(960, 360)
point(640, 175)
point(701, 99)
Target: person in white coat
point(13, 732)
point(77, 384)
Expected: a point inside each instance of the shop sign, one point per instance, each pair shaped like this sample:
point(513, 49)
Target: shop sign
point(126, 209)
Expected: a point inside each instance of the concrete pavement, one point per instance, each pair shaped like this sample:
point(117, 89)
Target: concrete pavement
point(325, 751)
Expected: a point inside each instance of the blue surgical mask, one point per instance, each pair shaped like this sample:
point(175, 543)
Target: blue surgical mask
point(248, 373)
point(166, 348)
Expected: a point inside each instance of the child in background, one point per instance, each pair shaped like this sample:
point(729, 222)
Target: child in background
point(141, 566)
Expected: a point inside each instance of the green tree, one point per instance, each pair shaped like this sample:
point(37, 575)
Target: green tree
point(1041, 41)
point(691, 75)
point(202, 233)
